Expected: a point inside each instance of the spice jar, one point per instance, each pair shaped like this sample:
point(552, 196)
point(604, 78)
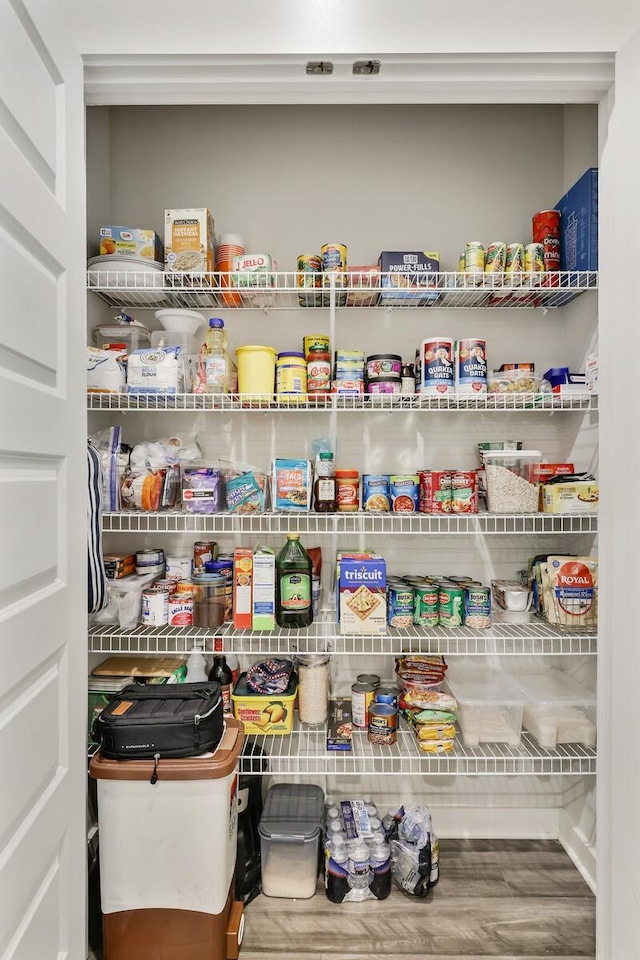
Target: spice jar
point(313, 688)
point(318, 370)
point(348, 484)
point(208, 600)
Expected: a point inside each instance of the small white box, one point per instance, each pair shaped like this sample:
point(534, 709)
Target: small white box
point(264, 590)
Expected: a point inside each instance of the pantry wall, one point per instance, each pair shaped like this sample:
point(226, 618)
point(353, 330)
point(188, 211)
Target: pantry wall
point(290, 178)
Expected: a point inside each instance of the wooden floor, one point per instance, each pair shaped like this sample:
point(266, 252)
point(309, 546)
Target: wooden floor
point(501, 899)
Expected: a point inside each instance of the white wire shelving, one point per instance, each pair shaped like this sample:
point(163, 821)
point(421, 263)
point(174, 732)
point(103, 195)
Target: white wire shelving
point(242, 403)
point(350, 523)
point(304, 752)
point(505, 639)
point(281, 290)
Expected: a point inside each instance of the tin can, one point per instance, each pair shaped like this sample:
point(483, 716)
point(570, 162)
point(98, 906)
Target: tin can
point(334, 260)
point(387, 695)
point(315, 341)
point(383, 724)
point(534, 258)
point(435, 491)
point(474, 263)
point(180, 611)
point(371, 678)
point(450, 605)
point(361, 698)
point(400, 604)
point(168, 585)
point(155, 607)
point(426, 605)
point(477, 607)
point(376, 492)
point(464, 491)
point(184, 588)
point(435, 368)
point(471, 366)
point(178, 568)
point(291, 373)
point(309, 266)
point(514, 263)
point(496, 257)
point(150, 561)
point(204, 550)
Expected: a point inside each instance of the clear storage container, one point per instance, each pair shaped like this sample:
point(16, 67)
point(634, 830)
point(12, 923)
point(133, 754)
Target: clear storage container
point(490, 705)
point(512, 480)
point(290, 830)
point(558, 709)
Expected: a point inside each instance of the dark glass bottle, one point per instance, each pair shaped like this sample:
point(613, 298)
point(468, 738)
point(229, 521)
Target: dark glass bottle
point(325, 496)
point(221, 672)
point(293, 585)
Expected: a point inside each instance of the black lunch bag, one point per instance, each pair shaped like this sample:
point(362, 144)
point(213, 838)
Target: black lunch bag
point(157, 721)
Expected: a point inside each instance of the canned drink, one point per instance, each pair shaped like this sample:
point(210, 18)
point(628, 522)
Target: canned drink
point(496, 257)
point(371, 678)
point(515, 263)
point(464, 491)
point(450, 605)
point(203, 551)
point(361, 698)
point(309, 267)
point(435, 491)
point(477, 607)
point(426, 605)
point(383, 724)
point(155, 607)
point(474, 261)
point(387, 695)
point(534, 258)
point(471, 366)
point(180, 611)
point(178, 568)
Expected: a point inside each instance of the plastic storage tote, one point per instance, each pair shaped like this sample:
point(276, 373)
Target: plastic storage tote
point(489, 705)
point(558, 709)
point(512, 480)
point(290, 831)
point(168, 852)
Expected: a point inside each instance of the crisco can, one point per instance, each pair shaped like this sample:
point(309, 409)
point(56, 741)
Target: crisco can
point(309, 266)
point(477, 607)
point(496, 257)
point(534, 258)
point(425, 605)
point(450, 605)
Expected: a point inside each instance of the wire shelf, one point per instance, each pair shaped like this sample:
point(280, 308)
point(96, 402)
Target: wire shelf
point(351, 523)
point(280, 291)
point(505, 639)
point(304, 752)
point(239, 403)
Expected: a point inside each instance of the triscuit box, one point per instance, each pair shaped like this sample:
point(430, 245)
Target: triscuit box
point(577, 496)
point(362, 590)
point(242, 588)
point(405, 271)
point(131, 242)
point(188, 241)
point(264, 590)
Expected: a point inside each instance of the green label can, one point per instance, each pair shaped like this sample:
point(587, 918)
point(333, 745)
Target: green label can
point(450, 605)
point(426, 605)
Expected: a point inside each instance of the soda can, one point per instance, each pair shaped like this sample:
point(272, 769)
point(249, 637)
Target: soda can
point(155, 607)
point(534, 258)
point(361, 697)
point(474, 261)
point(426, 605)
point(477, 607)
point(450, 605)
point(496, 257)
point(514, 263)
point(309, 266)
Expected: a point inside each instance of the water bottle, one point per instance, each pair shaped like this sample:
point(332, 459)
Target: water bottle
point(360, 874)
point(380, 863)
point(336, 878)
point(372, 810)
point(333, 813)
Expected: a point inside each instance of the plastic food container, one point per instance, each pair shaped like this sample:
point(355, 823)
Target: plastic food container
point(348, 489)
point(209, 599)
point(559, 709)
point(134, 335)
point(256, 372)
point(290, 829)
point(512, 480)
point(490, 705)
point(264, 713)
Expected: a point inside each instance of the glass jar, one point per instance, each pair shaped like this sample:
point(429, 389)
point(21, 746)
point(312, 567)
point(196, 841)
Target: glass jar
point(313, 688)
point(348, 484)
point(209, 591)
point(318, 370)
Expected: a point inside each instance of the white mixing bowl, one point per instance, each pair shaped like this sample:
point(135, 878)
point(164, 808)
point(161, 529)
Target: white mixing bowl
point(180, 321)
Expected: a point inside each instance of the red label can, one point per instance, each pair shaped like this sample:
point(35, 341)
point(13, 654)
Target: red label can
point(464, 491)
point(435, 491)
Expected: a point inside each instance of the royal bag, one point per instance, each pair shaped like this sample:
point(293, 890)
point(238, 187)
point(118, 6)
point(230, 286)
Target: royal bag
point(152, 722)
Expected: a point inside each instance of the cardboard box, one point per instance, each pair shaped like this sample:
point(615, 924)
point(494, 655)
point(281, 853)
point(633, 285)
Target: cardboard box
point(242, 588)
point(188, 241)
point(117, 565)
point(264, 590)
point(362, 589)
point(579, 224)
point(548, 470)
point(339, 729)
point(577, 496)
point(131, 242)
point(405, 271)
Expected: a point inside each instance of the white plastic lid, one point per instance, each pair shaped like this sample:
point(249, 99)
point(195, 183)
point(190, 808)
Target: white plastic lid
point(481, 688)
point(552, 687)
point(510, 454)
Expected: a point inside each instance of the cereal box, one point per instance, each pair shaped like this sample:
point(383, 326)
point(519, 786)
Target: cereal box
point(362, 590)
point(188, 241)
point(130, 242)
point(242, 588)
point(292, 485)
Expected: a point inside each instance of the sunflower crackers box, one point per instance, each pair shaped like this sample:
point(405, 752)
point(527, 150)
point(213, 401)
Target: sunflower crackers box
point(362, 592)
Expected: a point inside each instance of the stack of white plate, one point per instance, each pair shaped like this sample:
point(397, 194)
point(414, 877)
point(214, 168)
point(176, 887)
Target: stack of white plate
point(113, 273)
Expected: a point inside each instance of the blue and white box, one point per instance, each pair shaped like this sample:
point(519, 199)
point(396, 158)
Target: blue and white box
point(579, 224)
point(362, 593)
point(407, 276)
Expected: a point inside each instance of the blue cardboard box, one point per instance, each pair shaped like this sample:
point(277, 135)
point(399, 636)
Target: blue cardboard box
point(405, 271)
point(579, 224)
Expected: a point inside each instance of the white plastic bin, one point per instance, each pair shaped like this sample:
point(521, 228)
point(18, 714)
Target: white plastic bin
point(512, 480)
point(558, 709)
point(489, 705)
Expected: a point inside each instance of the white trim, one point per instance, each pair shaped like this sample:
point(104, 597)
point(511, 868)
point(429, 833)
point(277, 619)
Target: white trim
point(579, 848)
point(506, 823)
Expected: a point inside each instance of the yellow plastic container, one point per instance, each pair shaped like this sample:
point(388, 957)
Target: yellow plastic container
point(262, 712)
point(256, 372)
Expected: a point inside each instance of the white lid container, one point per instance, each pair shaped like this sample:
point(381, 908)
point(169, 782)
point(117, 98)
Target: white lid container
point(489, 705)
point(559, 708)
point(134, 335)
point(290, 829)
point(512, 480)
